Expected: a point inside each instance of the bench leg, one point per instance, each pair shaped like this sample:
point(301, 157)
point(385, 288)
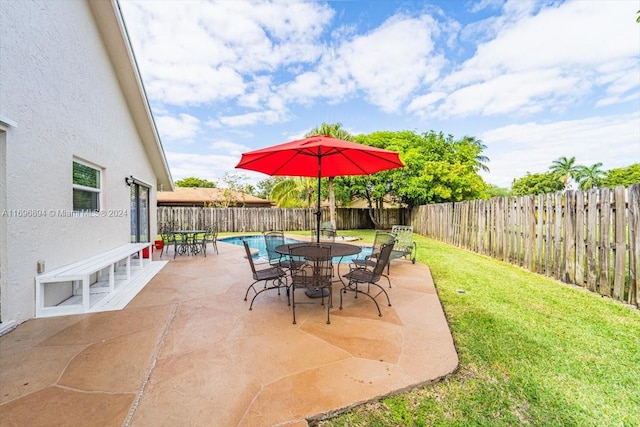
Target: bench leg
point(39, 297)
point(112, 278)
point(86, 294)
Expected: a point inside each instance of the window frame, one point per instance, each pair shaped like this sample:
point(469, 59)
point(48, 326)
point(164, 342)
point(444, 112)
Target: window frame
point(80, 187)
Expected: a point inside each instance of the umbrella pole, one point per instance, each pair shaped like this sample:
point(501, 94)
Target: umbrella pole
point(318, 212)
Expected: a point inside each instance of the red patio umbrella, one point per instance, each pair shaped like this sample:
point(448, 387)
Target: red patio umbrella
point(321, 156)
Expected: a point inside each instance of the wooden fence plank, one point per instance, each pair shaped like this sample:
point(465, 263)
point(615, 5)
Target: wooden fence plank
point(548, 217)
point(604, 254)
point(557, 239)
point(620, 244)
point(579, 232)
point(531, 234)
point(539, 233)
point(591, 242)
point(634, 245)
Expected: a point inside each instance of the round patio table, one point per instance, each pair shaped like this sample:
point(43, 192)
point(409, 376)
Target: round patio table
point(338, 250)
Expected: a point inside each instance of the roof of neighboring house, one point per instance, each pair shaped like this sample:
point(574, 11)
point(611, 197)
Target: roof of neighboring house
point(109, 21)
point(362, 204)
point(188, 196)
point(387, 203)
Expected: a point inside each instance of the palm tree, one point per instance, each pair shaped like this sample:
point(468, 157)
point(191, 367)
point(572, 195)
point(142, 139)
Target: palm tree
point(480, 161)
point(565, 168)
point(590, 177)
point(334, 130)
point(288, 193)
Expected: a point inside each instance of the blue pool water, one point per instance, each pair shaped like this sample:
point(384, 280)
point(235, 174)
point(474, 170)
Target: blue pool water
point(257, 242)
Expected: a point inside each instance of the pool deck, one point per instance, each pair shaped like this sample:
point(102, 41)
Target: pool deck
point(187, 351)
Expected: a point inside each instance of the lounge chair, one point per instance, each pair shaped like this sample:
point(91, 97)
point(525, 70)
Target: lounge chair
point(404, 246)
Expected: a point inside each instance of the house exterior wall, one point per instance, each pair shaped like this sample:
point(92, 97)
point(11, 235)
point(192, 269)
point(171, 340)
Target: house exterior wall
point(58, 85)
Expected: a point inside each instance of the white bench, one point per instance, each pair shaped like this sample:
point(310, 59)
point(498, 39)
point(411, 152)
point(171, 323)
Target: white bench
point(82, 272)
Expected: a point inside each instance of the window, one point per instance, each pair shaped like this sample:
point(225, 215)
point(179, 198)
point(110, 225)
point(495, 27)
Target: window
point(87, 184)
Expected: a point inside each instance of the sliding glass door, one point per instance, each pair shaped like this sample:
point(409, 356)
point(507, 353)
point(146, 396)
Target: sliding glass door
point(139, 213)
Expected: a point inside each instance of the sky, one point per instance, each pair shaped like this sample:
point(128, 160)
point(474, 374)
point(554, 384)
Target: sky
point(534, 80)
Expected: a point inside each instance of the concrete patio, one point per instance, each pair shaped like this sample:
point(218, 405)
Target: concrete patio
point(187, 351)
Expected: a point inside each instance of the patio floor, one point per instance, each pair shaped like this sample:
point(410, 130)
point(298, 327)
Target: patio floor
point(187, 351)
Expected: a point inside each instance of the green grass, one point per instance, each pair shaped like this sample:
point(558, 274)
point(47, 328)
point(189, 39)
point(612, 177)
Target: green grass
point(532, 351)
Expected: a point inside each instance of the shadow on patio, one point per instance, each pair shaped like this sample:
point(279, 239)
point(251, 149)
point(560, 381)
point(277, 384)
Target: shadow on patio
point(187, 351)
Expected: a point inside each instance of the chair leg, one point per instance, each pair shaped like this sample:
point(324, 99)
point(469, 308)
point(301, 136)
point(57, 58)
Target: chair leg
point(279, 285)
point(247, 293)
point(356, 290)
point(329, 304)
point(293, 303)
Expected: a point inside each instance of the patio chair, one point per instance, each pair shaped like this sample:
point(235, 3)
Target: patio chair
point(273, 239)
point(210, 236)
point(405, 246)
point(166, 235)
point(370, 261)
point(314, 274)
point(358, 277)
point(272, 277)
point(327, 232)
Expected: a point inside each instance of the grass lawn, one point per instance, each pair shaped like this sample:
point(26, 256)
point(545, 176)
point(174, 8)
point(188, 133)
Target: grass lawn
point(532, 351)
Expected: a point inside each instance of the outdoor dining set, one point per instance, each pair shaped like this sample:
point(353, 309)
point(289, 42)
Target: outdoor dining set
point(187, 242)
point(310, 266)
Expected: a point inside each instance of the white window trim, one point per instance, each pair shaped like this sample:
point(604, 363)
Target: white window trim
point(85, 188)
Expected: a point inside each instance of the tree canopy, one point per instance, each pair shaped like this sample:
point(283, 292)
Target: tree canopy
point(438, 168)
point(622, 176)
point(192, 181)
point(537, 183)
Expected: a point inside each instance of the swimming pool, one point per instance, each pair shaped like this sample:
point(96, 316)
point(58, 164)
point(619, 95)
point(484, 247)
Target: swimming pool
point(257, 242)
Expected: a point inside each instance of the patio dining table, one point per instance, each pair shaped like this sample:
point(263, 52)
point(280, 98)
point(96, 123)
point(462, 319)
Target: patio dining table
point(338, 250)
point(186, 242)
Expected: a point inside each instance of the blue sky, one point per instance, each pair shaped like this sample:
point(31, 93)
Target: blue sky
point(533, 79)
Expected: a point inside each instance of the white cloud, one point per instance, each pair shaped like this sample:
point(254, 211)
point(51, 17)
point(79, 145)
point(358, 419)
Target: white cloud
point(563, 51)
point(515, 150)
point(197, 52)
point(263, 117)
point(182, 127)
point(386, 65)
point(230, 147)
point(211, 167)
point(392, 61)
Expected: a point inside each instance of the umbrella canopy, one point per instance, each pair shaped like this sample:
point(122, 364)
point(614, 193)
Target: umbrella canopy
point(319, 156)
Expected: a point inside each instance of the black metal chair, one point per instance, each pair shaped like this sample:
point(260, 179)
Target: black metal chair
point(210, 236)
point(358, 277)
point(314, 274)
point(370, 261)
point(166, 234)
point(273, 239)
point(272, 275)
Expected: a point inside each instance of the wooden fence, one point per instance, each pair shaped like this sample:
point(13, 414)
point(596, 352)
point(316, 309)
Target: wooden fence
point(265, 219)
point(590, 239)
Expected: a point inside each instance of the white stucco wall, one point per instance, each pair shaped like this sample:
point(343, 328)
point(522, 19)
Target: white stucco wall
point(58, 85)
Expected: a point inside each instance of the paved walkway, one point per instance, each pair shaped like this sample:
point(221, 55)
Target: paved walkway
point(188, 352)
